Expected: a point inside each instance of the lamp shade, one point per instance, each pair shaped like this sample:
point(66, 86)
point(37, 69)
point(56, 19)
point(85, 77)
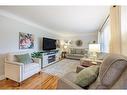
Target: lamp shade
point(94, 47)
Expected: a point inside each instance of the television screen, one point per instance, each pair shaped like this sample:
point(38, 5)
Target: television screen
point(49, 44)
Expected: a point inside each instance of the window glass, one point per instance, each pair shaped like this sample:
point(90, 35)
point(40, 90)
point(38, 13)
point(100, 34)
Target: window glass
point(105, 38)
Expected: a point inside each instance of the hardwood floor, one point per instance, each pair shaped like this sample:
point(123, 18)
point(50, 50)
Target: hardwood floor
point(37, 81)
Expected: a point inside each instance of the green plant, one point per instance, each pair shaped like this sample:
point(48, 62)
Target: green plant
point(36, 54)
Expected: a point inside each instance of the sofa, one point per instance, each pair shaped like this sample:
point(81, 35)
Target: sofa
point(76, 53)
point(112, 75)
point(17, 71)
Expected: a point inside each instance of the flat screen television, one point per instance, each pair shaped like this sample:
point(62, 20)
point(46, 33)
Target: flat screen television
point(49, 44)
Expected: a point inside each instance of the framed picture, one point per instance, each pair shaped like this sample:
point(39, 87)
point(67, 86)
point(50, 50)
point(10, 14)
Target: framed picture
point(79, 42)
point(26, 41)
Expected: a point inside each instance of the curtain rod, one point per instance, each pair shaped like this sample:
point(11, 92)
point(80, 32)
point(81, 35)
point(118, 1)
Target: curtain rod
point(104, 23)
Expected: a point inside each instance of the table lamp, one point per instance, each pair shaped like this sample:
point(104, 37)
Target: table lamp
point(65, 47)
point(94, 48)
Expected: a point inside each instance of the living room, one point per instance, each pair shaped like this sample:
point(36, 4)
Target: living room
point(13, 26)
point(62, 41)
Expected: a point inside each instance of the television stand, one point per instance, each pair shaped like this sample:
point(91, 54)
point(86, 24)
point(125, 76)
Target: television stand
point(49, 57)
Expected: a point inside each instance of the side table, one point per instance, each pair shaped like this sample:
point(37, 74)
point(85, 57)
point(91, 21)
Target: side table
point(63, 55)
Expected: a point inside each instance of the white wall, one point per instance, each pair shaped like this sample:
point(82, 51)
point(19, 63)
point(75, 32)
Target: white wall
point(86, 39)
point(9, 37)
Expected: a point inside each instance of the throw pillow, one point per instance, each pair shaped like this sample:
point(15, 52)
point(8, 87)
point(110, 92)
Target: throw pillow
point(72, 51)
point(87, 76)
point(24, 58)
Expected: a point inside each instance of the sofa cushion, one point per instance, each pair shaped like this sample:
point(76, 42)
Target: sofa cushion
point(69, 54)
point(78, 55)
point(111, 69)
point(31, 66)
point(87, 76)
point(72, 51)
point(75, 55)
point(24, 58)
point(78, 51)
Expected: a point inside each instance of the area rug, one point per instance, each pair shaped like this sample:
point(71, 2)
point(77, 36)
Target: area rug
point(62, 67)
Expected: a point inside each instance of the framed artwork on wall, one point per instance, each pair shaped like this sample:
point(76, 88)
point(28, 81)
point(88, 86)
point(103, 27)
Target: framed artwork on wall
point(79, 43)
point(26, 41)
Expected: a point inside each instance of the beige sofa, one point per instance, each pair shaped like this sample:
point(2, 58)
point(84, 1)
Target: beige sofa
point(76, 53)
point(19, 71)
point(112, 75)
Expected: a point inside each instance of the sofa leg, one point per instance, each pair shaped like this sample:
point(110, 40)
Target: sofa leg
point(19, 83)
point(7, 78)
point(39, 72)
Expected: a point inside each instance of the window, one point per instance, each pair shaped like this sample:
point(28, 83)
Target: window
point(105, 37)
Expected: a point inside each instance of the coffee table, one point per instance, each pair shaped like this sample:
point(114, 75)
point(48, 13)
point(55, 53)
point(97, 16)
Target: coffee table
point(86, 62)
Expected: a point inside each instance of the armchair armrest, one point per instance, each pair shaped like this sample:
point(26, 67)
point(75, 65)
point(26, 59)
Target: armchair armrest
point(66, 84)
point(37, 60)
point(14, 70)
point(14, 63)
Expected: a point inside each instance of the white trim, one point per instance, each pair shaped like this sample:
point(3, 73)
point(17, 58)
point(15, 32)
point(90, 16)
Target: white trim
point(2, 77)
point(80, 34)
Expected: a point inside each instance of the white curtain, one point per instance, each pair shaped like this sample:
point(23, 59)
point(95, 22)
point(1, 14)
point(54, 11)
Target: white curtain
point(115, 44)
point(110, 34)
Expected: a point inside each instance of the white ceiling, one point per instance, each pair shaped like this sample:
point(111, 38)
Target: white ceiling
point(63, 20)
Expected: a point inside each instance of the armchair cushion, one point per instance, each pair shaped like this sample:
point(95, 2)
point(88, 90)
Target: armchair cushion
point(24, 58)
point(30, 67)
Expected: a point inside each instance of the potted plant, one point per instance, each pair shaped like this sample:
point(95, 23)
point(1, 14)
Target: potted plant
point(36, 55)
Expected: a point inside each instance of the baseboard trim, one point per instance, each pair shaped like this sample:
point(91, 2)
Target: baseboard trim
point(2, 77)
